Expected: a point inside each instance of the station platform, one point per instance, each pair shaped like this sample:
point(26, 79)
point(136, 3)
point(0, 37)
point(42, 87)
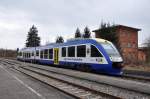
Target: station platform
point(15, 85)
point(12, 88)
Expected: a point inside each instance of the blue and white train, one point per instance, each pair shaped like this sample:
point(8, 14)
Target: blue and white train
point(85, 54)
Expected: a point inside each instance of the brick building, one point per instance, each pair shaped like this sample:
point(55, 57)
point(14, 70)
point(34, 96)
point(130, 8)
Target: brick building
point(142, 54)
point(128, 42)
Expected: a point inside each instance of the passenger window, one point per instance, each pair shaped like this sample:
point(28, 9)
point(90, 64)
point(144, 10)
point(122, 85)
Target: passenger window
point(29, 55)
point(71, 51)
point(25, 55)
point(63, 52)
point(41, 54)
point(32, 53)
point(81, 51)
point(95, 52)
point(50, 53)
point(20, 54)
point(46, 53)
point(37, 52)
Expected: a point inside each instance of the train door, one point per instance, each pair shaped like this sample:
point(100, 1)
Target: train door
point(56, 56)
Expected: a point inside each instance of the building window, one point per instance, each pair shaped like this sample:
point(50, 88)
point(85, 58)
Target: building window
point(95, 52)
point(50, 53)
point(63, 52)
point(71, 51)
point(81, 51)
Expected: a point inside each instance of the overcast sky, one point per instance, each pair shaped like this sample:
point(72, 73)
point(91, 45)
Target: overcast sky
point(62, 17)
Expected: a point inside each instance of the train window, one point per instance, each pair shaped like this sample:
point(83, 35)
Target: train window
point(37, 52)
point(32, 53)
point(46, 53)
point(50, 53)
point(25, 55)
point(95, 52)
point(29, 55)
point(63, 52)
point(41, 54)
point(71, 51)
point(20, 54)
point(81, 51)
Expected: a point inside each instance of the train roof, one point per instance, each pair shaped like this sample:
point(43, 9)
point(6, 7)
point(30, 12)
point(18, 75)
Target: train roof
point(68, 42)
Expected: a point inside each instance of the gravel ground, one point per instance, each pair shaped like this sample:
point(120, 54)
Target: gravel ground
point(98, 86)
point(138, 73)
point(46, 91)
point(102, 87)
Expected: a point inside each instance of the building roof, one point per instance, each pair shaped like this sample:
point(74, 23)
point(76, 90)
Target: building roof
point(119, 26)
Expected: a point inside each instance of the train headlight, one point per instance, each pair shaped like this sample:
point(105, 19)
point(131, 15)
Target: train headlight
point(116, 59)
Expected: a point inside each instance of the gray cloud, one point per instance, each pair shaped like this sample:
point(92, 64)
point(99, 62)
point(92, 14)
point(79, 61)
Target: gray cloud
point(61, 17)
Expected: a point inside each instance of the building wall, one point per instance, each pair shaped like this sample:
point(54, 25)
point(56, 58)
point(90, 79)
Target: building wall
point(128, 42)
point(141, 56)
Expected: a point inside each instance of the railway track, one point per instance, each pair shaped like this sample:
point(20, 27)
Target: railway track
point(70, 88)
point(39, 69)
point(136, 78)
point(139, 78)
point(124, 76)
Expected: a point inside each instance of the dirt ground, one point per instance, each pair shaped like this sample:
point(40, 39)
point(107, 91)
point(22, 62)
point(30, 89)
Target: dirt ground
point(141, 67)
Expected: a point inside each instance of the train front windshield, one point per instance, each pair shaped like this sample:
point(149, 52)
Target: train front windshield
point(110, 49)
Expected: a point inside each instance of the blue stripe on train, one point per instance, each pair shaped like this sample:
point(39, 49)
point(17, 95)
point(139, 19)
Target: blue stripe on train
point(46, 62)
point(105, 68)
